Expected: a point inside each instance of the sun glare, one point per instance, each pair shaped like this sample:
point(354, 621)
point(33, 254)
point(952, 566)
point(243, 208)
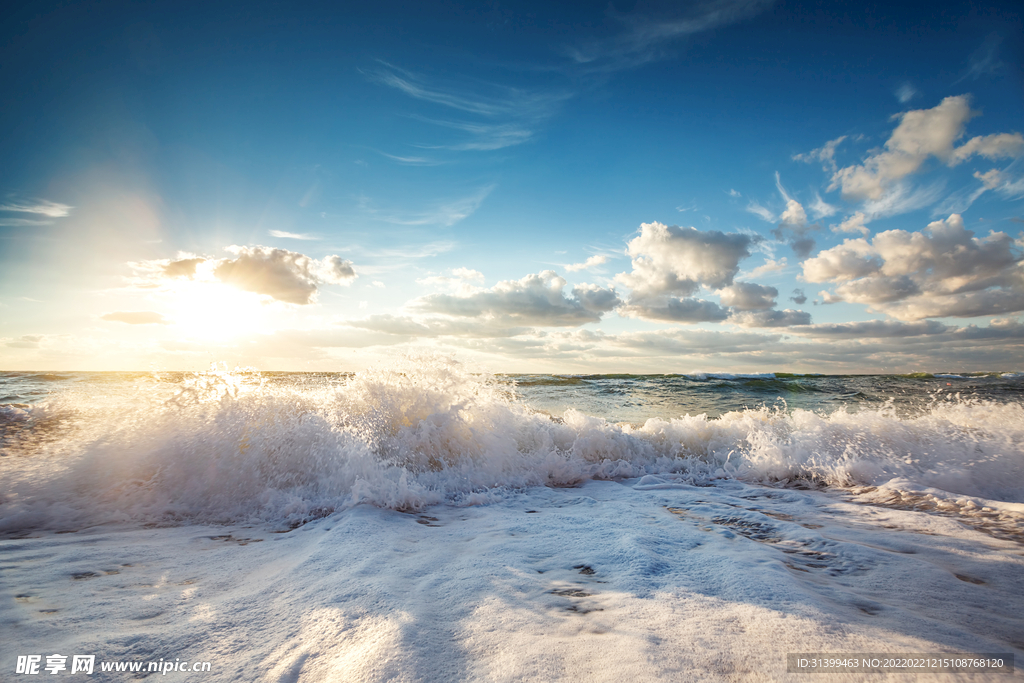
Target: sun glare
point(217, 312)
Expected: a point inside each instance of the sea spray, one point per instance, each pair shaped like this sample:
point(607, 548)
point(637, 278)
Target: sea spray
point(235, 447)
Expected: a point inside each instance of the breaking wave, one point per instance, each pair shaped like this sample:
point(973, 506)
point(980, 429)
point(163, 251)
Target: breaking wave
point(234, 447)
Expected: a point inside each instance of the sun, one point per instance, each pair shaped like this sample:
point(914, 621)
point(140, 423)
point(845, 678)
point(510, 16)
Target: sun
point(214, 311)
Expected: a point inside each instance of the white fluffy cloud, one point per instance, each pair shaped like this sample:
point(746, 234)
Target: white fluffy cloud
point(533, 300)
point(674, 260)
point(278, 273)
point(671, 264)
point(943, 270)
point(599, 259)
point(854, 223)
point(281, 274)
point(747, 296)
point(921, 134)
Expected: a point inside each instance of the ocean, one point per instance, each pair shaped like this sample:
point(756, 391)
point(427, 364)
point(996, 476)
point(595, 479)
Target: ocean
point(426, 521)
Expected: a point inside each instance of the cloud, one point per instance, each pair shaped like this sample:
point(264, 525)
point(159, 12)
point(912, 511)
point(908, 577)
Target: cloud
point(23, 222)
point(432, 327)
point(826, 154)
point(990, 179)
point(278, 273)
point(793, 227)
point(794, 214)
point(822, 209)
point(984, 61)
point(646, 38)
point(854, 223)
point(734, 193)
point(944, 270)
point(506, 115)
point(1003, 181)
point(959, 201)
point(675, 260)
point(905, 93)
point(676, 310)
point(27, 341)
point(799, 298)
point(413, 161)
point(534, 300)
point(446, 214)
point(485, 137)
point(185, 267)
point(761, 212)
point(902, 198)
point(747, 296)
point(42, 207)
point(679, 342)
point(670, 264)
point(334, 270)
point(459, 280)
point(921, 134)
point(414, 86)
point(873, 329)
point(769, 266)
point(773, 318)
point(591, 262)
point(290, 235)
point(136, 318)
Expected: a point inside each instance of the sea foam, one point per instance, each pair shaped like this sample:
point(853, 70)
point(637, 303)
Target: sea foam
point(234, 447)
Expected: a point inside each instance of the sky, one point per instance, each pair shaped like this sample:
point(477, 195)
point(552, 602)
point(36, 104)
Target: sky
point(646, 187)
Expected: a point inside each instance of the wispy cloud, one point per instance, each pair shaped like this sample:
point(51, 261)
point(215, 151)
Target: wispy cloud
point(510, 101)
point(446, 214)
point(23, 222)
point(413, 161)
point(42, 207)
point(291, 235)
point(592, 262)
point(761, 212)
point(493, 117)
point(984, 60)
point(484, 136)
point(767, 268)
point(905, 93)
point(646, 38)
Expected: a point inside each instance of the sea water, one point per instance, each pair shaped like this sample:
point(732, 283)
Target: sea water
point(627, 517)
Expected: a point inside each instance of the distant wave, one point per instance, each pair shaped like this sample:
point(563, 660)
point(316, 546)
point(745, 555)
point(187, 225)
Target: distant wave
point(234, 447)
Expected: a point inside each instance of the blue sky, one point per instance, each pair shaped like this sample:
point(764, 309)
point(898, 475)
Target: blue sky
point(730, 185)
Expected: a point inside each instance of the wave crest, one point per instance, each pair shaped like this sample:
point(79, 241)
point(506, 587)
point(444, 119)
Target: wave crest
point(234, 447)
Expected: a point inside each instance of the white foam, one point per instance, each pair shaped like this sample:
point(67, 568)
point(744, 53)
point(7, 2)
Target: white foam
point(232, 447)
